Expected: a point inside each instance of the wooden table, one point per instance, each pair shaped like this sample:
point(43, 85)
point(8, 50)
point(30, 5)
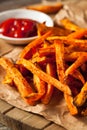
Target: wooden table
point(15, 118)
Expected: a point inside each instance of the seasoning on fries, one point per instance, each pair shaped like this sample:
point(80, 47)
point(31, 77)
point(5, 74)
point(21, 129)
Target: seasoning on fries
point(52, 61)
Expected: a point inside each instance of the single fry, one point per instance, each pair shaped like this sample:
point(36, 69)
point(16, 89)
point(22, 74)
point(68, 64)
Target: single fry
point(72, 108)
point(76, 48)
point(59, 47)
point(66, 23)
point(50, 69)
point(79, 43)
point(46, 51)
point(74, 55)
point(76, 64)
point(78, 34)
point(80, 99)
point(59, 50)
point(45, 77)
point(78, 76)
point(46, 8)
point(62, 38)
point(8, 79)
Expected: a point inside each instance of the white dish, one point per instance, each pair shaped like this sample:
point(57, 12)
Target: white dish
point(24, 13)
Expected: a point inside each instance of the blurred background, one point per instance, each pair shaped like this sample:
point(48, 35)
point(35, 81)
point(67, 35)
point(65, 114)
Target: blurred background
point(11, 4)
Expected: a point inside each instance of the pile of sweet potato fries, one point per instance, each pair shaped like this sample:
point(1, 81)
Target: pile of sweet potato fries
point(56, 59)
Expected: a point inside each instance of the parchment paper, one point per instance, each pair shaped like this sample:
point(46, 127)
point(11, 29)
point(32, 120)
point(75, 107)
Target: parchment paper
point(75, 10)
point(56, 110)
point(4, 47)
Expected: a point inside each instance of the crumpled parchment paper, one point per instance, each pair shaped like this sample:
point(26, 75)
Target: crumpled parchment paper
point(56, 110)
point(75, 10)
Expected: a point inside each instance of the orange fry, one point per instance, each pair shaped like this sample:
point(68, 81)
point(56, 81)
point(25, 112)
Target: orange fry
point(80, 99)
point(49, 91)
point(72, 108)
point(59, 47)
point(8, 78)
point(74, 55)
point(46, 51)
point(76, 48)
point(69, 25)
point(62, 38)
point(46, 8)
point(79, 43)
point(59, 50)
point(78, 76)
point(78, 34)
point(76, 64)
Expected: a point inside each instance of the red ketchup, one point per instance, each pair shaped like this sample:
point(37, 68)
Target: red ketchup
point(18, 28)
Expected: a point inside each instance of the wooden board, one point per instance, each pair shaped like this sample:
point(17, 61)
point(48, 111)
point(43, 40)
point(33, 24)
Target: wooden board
point(17, 119)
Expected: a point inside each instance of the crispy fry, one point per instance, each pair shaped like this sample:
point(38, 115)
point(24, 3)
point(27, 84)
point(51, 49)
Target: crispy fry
point(74, 55)
point(71, 52)
point(78, 76)
point(78, 44)
point(46, 8)
point(45, 77)
point(76, 64)
point(69, 25)
point(8, 79)
point(76, 48)
point(43, 60)
point(49, 91)
point(62, 38)
point(59, 47)
point(39, 59)
point(78, 34)
point(59, 50)
point(80, 99)
point(46, 51)
point(72, 108)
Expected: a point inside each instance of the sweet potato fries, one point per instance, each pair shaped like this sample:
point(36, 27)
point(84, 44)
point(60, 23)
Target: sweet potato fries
point(49, 62)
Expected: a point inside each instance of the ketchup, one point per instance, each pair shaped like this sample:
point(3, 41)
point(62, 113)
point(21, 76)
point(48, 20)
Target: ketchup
point(18, 28)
